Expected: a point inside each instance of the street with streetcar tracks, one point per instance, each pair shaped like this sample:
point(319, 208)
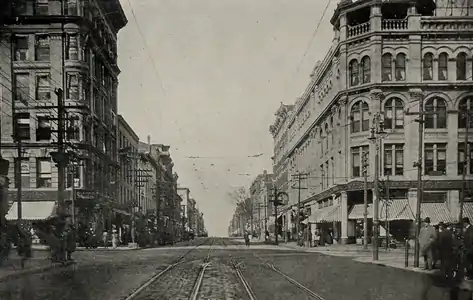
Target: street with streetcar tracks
point(217, 268)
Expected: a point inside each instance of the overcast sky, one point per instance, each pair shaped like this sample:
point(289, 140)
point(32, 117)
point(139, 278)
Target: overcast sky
point(217, 73)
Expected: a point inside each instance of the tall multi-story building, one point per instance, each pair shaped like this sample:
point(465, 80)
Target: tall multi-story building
point(184, 193)
point(38, 57)
point(128, 143)
point(386, 59)
point(146, 176)
point(262, 207)
point(191, 213)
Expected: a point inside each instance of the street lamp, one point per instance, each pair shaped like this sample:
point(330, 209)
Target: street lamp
point(276, 202)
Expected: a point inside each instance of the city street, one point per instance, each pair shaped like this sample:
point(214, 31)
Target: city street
point(267, 272)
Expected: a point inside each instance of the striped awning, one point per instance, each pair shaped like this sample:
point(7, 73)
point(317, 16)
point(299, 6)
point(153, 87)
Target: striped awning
point(468, 210)
point(357, 212)
point(397, 209)
point(437, 212)
point(330, 214)
point(32, 210)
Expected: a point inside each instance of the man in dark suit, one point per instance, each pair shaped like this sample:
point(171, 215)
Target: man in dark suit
point(445, 246)
point(468, 246)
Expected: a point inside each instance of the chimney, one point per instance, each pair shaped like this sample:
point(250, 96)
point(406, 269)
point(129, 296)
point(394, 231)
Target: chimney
point(149, 142)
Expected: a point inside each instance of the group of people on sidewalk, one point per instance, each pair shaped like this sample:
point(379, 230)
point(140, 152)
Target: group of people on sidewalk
point(451, 247)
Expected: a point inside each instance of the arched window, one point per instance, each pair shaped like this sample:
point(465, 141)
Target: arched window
point(353, 72)
point(326, 138)
point(443, 66)
point(359, 117)
point(387, 67)
point(400, 67)
point(394, 114)
point(427, 66)
point(465, 105)
point(461, 66)
point(439, 119)
point(366, 69)
point(321, 141)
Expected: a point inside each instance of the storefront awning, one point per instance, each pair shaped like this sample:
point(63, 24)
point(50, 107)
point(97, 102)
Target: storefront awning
point(437, 212)
point(398, 209)
point(328, 214)
point(357, 212)
point(121, 212)
point(32, 210)
point(468, 210)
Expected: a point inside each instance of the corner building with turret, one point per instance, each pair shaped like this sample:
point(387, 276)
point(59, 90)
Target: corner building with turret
point(387, 57)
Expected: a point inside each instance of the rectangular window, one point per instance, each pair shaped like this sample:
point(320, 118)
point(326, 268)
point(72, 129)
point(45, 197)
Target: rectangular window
point(42, 49)
point(72, 49)
point(72, 86)
point(71, 8)
point(434, 197)
point(22, 126)
point(43, 131)
point(355, 162)
point(43, 87)
point(73, 175)
point(73, 129)
point(393, 159)
point(24, 166)
point(21, 48)
point(43, 172)
point(435, 159)
point(461, 159)
point(41, 8)
point(22, 87)
point(21, 7)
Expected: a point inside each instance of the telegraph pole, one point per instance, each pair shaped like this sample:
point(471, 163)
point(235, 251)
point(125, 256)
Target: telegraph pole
point(300, 177)
point(418, 164)
point(365, 200)
point(259, 219)
point(386, 213)
point(466, 158)
point(265, 215)
point(16, 138)
point(376, 132)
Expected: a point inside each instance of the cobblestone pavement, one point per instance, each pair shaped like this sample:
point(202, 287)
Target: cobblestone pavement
point(116, 275)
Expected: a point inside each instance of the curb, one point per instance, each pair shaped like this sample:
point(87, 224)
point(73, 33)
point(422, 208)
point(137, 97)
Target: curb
point(36, 270)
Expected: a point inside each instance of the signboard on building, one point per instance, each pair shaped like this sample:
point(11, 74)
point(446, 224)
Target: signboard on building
point(85, 195)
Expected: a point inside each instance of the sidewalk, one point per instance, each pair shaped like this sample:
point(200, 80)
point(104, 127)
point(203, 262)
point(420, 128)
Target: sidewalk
point(394, 258)
point(38, 247)
point(11, 267)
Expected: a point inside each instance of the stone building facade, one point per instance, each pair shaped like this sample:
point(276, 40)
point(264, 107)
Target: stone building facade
point(31, 69)
point(385, 59)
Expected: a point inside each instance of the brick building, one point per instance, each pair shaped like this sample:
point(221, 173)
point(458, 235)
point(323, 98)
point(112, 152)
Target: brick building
point(31, 69)
point(384, 59)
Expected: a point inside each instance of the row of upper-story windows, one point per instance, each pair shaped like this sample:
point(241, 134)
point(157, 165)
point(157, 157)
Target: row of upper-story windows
point(360, 71)
point(442, 67)
point(394, 114)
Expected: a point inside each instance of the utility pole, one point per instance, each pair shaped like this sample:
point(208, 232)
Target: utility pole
point(61, 158)
point(376, 136)
point(365, 199)
point(300, 177)
point(16, 138)
point(265, 215)
point(276, 203)
point(418, 164)
point(466, 158)
point(259, 219)
point(386, 210)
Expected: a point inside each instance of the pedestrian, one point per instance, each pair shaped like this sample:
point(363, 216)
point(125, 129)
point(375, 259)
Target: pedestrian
point(445, 247)
point(71, 237)
point(105, 239)
point(468, 247)
point(317, 237)
point(427, 237)
point(114, 239)
point(247, 239)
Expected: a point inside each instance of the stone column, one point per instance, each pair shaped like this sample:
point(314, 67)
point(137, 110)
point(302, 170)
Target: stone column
point(344, 216)
point(343, 165)
point(452, 145)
